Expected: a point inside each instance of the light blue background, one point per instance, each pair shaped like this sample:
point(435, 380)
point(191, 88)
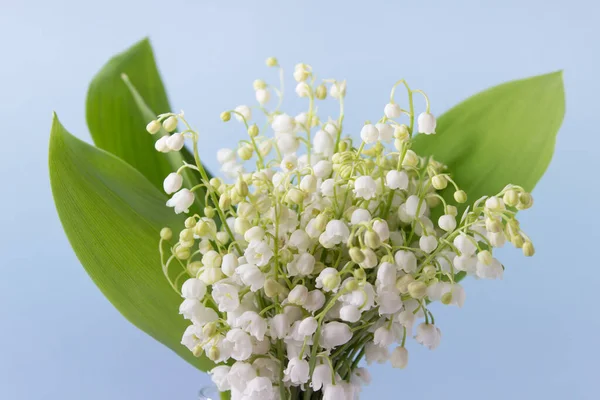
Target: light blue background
point(533, 335)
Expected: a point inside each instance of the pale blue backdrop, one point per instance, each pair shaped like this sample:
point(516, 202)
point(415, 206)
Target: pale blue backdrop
point(533, 335)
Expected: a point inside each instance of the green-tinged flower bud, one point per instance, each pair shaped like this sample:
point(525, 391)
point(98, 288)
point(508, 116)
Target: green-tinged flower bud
point(194, 267)
point(528, 249)
point(209, 212)
point(209, 329)
point(417, 290)
point(212, 259)
point(253, 131)
point(241, 225)
point(204, 246)
point(186, 234)
point(285, 256)
point(398, 144)
point(190, 222)
point(511, 198)
point(245, 152)
point(241, 188)
point(372, 240)
point(265, 148)
point(432, 201)
point(225, 116)
point(460, 196)
point(401, 133)
point(186, 243)
point(343, 146)
point(447, 298)
point(360, 274)
point(439, 182)
point(295, 196)
point(271, 62)
point(202, 228)
point(351, 285)
point(166, 233)
point(451, 210)
point(525, 201)
point(321, 92)
point(485, 257)
point(215, 183)
point(429, 271)
point(493, 225)
point(321, 222)
point(222, 237)
point(346, 171)
point(170, 124)
point(198, 350)
point(356, 255)
point(224, 202)
point(332, 281)
point(387, 258)
point(403, 282)
point(271, 288)
point(517, 241)
point(153, 127)
point(246, 210)
point(213, 353)
point(182, 253)
point(319, 266)
point(410, 159)
point(259, 84)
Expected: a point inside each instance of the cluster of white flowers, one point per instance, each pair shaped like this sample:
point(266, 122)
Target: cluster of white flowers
point(325, 253)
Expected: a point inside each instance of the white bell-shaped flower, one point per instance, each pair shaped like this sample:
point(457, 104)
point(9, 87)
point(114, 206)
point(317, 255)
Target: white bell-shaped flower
point(369, 134)
point(396, 180)
point(365, 187)
point(239, 375)
point(297, 371)
point(334, 334)
point(338, 231)
point(426, 123)
point(323, 169)
point(383, 336)
point(172, 183)
point(161, 144)
point(298, 295)
point(374, 353)
point(465, 244)
point(428, 243)
point(299, 240)
point(175, 142)
point(406, 261)
point(321, 376)
point(225, 156)
point(242, 345)
point(259, 388)
point(386, 132)
point(382, 229)
point(399, 357)
point(392, 110)
point(283, 123)
point(315, 301)
point(229, 264)
point(350, 313)
point(226, 296)
point(279, 326)
point(219, 377)
point(360, 215)
point(251, 276)
point(428, 335)
point(193, 289)
point(323, 143)
point(308, 326)
point(181, 201)
point(447, 222)
point(243, 113)
point(253, 323)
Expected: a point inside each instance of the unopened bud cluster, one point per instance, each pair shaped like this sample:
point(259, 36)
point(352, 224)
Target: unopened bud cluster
point(327, 250)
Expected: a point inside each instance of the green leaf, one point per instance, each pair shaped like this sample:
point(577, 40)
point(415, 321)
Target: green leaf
point(112, 216)
point(502, 135)
point(117, 119)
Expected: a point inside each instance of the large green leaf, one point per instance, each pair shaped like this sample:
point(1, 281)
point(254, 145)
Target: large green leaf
point(502, 135)
point(112, 216)
point(117, 118)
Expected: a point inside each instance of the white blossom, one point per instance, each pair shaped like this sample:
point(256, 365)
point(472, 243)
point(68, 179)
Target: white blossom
point(369, 134)
point(426, 123)
point(428, 335)
point(365, 187)
point(172, 183)
point(181, 201)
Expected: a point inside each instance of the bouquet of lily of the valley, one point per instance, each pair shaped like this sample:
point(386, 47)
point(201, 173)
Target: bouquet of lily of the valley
point(317, 248)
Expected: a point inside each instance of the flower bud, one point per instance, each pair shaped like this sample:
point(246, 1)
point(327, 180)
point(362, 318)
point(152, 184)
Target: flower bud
point(166, 234)
point(321, 92)
point(186, 243)
point(194, 267)
point(356, 255)
point(525, 201)
point(351, 285)
point(253, 131)
point(417, 290)
point(212, 259)
point(153, 127)
point(241, 225)
point(517, 241)
point(298, 295)
point(401, 132)
point(198, 350)
point(271, 62)
point(170, 124)
point(447, 298)
point(271, 288)
point(190, 222)
point(209, 212)
point(202, 228)
point(265, 148)
point(301, 72)
point(392, 110)
point(528, 249)
point(493, 225)
point(209, 329)
point(285, 256)
point(331, 281)
point(460, 196)
point(245, 152)
point(241, 188)
point(429, 271)
point(511, 198)
point(225, 116)
point(485, 257)
point(213, 353)
point(259, 84)
point(186, 234)
point(439, 182)
point(182, 253)
point(224, 202)
point(372, 240)
point(360, 274)
point(410, 159)
point(451, 210)
point(295, 196)
point(403, 282)
point(215, 183)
